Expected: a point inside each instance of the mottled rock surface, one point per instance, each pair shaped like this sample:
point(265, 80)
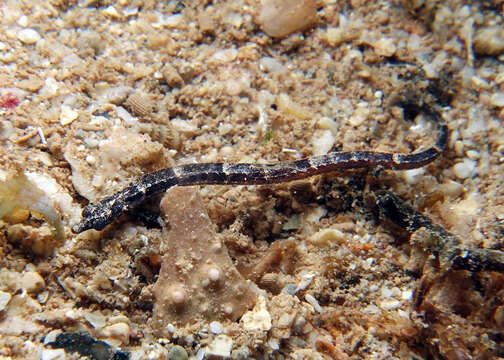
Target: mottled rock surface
point(197, 277)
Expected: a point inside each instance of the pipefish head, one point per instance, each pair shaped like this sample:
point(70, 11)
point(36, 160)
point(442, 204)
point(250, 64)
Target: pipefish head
point(97, 216)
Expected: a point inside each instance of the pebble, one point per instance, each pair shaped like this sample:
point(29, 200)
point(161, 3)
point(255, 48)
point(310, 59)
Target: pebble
point(324, 143)
point(67, 115)
point(258, 319)
point(272, 65)
point(111, 12)
point(489, 40)
point(50, 354)
point(220, 347)
point(171, 328)
point(28, 36)
point(360, 114)
point(215, 327)
point(326, 236)
point(177, 352)
point(497, 99)
point(385, 47)
point(50, 88)
point(313, 302)
point(290, 289)
point(120, 331)
point(5, 297)
point(32, 282)
point(96, 319)
point(390, 304)
point(464, 169)
point(279, 18)
point(51, 337)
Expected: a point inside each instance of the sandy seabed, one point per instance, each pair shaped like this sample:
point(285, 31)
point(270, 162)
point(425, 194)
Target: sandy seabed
point(94, 94)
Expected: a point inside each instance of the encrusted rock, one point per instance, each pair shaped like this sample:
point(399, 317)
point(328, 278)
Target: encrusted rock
point(197, 277)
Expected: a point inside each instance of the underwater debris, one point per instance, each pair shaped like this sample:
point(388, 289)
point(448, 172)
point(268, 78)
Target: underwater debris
point(85, 345)
point(435, 240)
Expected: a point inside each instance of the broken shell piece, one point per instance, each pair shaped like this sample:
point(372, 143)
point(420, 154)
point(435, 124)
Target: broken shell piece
point(5, 297)
point(139, 104)
point(259, 318)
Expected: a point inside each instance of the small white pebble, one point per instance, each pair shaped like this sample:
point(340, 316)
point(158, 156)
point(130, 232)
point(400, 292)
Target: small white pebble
point(53, 354)
point(323, 144)
point(96, 319)
point(313, 302)
point(497, 99)
point(22, 21)
point(326, 236)
point(179, 296)
point(407, 295)
point(272, 65)
point(390, 304)
point(90, 159)
point(120, 331)
point(213, 274)
point(224, 56)
point(67, 115)
point(171, 328)
point(4, 299)
point(464, 169)
point(371, 309)
point(473, 154)
point(360, 115)
point(385, 47)
point(91, 142)
point(28, 36)
point(111, 12)
point(51, 336)
point(412, 176)
point(220, 347)
point(173, 20)
point(50, 88)
point(215, 327)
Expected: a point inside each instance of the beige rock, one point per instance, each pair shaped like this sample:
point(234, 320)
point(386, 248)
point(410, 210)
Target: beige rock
point(325, 237)
point(489, 40)
point(220, 347)
point(279, 18)
point(32, 282)
point(197, 277)
point(4, 299)
point(258, 319)
point(120, 331)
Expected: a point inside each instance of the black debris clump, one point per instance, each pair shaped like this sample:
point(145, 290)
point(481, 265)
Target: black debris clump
point(85, 345)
